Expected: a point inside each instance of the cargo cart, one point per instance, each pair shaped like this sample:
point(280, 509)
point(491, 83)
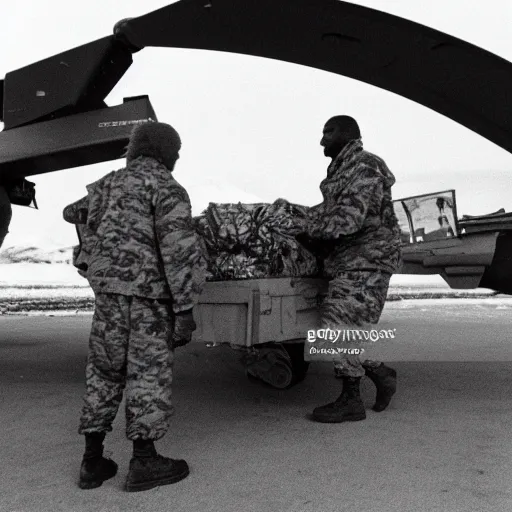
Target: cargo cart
point(266, 320)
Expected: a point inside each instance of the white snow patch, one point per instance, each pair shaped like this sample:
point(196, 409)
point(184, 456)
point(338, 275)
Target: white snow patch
point(40, 274)
point(494, 302)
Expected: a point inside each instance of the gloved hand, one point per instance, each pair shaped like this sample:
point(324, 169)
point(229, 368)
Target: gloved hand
point(184, 326)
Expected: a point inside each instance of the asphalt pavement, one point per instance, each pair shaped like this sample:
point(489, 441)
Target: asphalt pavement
point(444, 444)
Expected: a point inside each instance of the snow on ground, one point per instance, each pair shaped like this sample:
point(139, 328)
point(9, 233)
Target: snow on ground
point(19, 293)
point(65, 275)
point(499, 302)
point(26, 254)
point(40, 274)
point(39, 280)
point(49, 289)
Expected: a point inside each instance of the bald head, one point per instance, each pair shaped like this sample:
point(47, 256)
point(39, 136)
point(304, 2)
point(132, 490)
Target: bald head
point(338, 132)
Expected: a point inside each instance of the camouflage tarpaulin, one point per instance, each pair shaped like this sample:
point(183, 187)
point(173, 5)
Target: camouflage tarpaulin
point(246, 241)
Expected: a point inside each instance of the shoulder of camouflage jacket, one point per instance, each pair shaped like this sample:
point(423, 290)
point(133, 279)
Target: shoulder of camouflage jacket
point(150, 174)
point(364, 166)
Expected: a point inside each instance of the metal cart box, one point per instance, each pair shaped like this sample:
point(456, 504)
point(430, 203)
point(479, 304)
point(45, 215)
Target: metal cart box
point(255, 311)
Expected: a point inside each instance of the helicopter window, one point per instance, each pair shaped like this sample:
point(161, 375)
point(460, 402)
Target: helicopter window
point(427, 217)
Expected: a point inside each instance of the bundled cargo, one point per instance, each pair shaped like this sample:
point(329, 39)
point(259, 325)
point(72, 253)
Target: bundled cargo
point(251, 241)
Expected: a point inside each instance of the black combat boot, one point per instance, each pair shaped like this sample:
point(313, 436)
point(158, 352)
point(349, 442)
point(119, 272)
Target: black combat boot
point(384, 379)
point(347, 407)
point(148, 469)
point(95, 468)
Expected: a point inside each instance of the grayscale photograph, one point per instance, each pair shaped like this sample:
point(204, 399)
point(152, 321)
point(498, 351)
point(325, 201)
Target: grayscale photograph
point(256, 256)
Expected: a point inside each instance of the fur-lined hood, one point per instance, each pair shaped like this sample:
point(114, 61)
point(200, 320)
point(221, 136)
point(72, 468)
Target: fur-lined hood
point(156, 140)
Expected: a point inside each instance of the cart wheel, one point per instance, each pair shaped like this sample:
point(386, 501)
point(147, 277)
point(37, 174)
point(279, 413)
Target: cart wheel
point(299, 366)
point(279, 365)
point(272, 366)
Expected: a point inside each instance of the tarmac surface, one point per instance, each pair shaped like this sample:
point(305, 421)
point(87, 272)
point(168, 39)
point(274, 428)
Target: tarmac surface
point(444, 443)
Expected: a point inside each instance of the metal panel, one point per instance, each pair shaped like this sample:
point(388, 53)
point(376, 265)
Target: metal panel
point(448, 75)
point(72, 141)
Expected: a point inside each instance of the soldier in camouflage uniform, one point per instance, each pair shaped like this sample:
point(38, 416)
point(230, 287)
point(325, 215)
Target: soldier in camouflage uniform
point(144, 262)
point(356, 228)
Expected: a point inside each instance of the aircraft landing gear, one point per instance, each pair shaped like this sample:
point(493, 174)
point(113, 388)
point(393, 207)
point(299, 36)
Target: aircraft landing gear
point(5, 214)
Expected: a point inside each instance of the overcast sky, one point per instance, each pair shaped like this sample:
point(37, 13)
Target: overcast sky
point(251, 127)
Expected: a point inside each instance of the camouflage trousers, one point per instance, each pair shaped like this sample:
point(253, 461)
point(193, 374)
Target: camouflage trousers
point(129, 351)
point(354, 299)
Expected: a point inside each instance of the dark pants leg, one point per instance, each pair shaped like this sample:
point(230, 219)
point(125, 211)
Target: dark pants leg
point(129, 350)
point(355, 299)
point(106, 363)
point(149, 370)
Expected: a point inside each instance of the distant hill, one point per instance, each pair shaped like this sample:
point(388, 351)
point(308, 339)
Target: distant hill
point(28, 254)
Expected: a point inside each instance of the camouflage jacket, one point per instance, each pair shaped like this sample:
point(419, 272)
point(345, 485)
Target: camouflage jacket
point(137, 238)
point(356, 218)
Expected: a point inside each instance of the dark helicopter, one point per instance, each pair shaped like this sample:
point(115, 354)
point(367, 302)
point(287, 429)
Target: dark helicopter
point(55, 116)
